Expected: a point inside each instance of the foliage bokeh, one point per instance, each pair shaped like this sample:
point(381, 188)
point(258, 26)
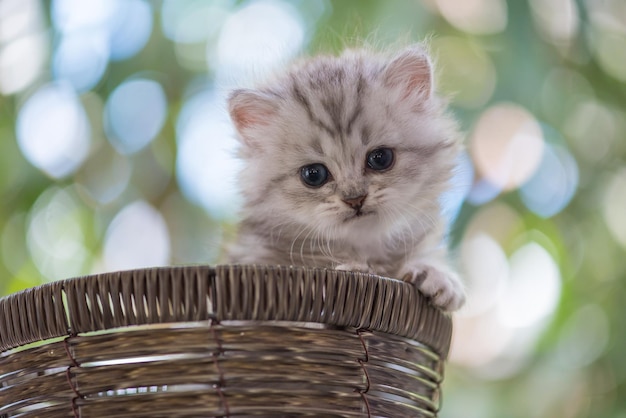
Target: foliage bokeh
point(116, 152)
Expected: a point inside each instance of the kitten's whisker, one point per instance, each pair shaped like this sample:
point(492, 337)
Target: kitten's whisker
point(327, 249)
point(394, 214)
point(304, 241)
point(328, 232)
point(293, 243)
point(319, 242)
point(275, 238)
point(424, 215)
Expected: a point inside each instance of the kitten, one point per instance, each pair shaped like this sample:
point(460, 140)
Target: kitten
point(345, 160)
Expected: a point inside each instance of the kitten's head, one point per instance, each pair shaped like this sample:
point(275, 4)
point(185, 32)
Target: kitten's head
point(357, 144)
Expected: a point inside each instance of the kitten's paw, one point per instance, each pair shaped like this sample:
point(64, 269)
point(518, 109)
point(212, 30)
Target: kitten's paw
point(360, 267)
point(443, 287)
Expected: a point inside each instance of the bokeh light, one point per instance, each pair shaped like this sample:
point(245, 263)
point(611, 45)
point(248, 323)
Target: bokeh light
point(615, 206)
point(484, 279)
point(193, 21)
point(76, 15)
point(53, 131)
point(56, 239)
point(558, 82)
point(482, 191)
point(506, 145)
point(137, 237)
point(255, 40)
point(194, 27)
point(467, 72)
point(557, 20)
point(584, 337)
point(593, 130)
point(610, 47)
point(479, 17)
point(13, 243)
point(533, 290)
point(105, 176)
point(460, 185)
point(130, 29)
point(608, 36)
point(206, 162)
point(553, 184)
point(21, 62)
point(81, 59)
point(134, 114)
point(94, 32)
point(19, 17)
point(23, 44)
point(186, 220)
point(498, 220)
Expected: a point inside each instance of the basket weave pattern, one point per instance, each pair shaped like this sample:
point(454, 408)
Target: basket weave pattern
point(221, 341)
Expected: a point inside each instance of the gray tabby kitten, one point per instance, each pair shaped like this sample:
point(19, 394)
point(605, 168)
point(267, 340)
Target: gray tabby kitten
point(345, 160)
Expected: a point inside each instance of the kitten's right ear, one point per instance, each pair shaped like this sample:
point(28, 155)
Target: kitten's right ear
point(249, 110)
point(411, 71)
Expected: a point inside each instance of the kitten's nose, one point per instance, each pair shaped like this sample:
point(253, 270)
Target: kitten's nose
point(355, 203)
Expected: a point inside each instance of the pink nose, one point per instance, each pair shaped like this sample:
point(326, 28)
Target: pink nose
point(355, 203)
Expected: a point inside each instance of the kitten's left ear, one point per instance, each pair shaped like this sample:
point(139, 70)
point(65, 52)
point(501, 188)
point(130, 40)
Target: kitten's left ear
point(249, 110)
point(411, 71)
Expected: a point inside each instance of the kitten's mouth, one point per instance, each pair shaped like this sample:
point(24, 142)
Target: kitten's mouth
point(358, 214)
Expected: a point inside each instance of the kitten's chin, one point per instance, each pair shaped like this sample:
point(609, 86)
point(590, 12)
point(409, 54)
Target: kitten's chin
point(366, 224)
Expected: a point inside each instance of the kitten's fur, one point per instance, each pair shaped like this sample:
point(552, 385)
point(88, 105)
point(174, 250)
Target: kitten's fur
point(334, 111)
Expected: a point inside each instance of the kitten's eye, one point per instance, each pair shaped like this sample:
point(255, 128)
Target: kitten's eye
point(314, 175)
point(380, 159)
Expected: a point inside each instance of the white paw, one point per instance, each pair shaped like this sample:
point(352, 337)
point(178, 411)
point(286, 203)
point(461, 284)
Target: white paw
point(443, 287)
point(360, 267)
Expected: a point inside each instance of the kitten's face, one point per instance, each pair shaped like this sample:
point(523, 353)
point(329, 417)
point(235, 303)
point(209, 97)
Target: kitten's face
point(347, 146)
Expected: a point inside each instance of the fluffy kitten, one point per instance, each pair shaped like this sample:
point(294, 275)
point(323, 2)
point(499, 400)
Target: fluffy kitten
point(345, 160)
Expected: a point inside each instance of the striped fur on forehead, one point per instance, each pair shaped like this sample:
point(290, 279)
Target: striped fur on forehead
point(331, 90)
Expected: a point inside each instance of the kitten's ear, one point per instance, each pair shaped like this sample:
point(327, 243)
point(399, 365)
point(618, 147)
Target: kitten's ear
point(249, 110)
point(412, 71)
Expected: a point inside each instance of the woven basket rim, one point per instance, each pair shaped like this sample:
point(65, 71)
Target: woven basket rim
point(220, 293)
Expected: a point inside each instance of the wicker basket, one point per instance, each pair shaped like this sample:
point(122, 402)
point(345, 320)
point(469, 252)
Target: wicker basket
point(225, 341)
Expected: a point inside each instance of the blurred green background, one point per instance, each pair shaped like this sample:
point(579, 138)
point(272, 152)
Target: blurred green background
point(116, 152)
